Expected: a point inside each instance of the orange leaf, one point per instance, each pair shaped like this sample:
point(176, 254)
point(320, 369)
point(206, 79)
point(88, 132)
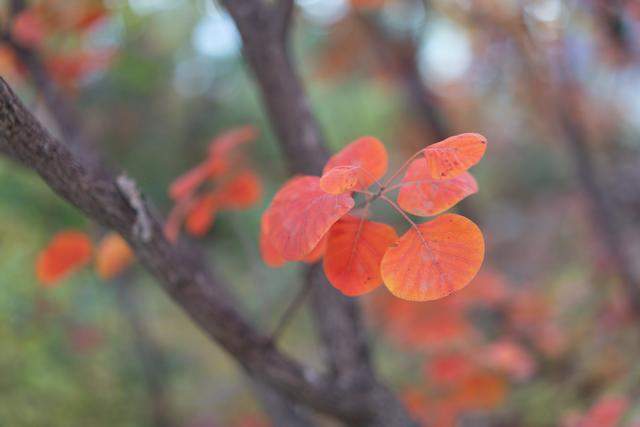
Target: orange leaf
point(340, 179)
point(273, 259)
point(200, 217)
point(317, 252)
point(438, 258)
point(301, 214)
point(482, 390)
point(443, 325)
point(218, 162)
point(424, 196)
point(454, 155)
point(187, 183)
point(448, 369)
point(68, 251)
point(355, 248)
point(223, 147)
point(367, 155)
point(93, 14)
point(241, 192)
point(68, 69)
point(176, 217)
point(29, 28)
point(113, 255)
point(270, 255)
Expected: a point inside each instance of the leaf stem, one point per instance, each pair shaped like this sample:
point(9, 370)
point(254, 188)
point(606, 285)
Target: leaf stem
point(397, 172)
point(291, 309)
point(406, 217)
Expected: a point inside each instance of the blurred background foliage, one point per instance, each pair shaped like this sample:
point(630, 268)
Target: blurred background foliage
point(175, 78)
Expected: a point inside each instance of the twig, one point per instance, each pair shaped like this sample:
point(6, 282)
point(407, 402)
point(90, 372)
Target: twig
point(179, 268)
point(338, 318)
point(292, 308)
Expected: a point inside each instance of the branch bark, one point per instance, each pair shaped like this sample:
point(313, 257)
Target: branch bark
point(179, 268)
point(62, 111)
point(337, 317)
point(281, 409)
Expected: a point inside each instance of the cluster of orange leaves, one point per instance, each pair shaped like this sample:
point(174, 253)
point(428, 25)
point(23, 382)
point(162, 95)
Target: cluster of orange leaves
point(314, 216)
point(463, 369)
point(70, 250)
point(223, 181)
point(46, 25)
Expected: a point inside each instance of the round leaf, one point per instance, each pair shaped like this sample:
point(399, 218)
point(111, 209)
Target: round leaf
point(340, 179)
point(68, 251)
point(438, 258)
point(367, 155)
point(422, 195)
point(355, 248)
point(449, 158)
point(113, 255)
point(301, 214)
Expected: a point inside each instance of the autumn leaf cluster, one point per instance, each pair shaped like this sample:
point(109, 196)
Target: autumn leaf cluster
point(317, 216)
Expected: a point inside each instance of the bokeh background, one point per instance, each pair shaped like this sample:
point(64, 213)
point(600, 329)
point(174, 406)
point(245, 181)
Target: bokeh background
point(544, 336)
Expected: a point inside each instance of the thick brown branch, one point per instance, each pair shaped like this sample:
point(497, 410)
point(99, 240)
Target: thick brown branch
point(280, 408)
point(400, 59)
point(63, 113)
point(281, 89)
point(337, 317)
point(604, 219)
point(179, 269)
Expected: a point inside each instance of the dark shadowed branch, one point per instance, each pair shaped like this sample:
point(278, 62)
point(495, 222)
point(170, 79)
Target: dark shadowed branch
point(559, 93)
point(71, 128)
point(116, 203)
point(62, 111)
point(338, 318)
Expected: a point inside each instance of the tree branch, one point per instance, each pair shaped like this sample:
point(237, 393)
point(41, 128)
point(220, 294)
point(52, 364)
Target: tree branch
point(280, 408)
point(179, 268)
point(337, 317)
point(284, 15)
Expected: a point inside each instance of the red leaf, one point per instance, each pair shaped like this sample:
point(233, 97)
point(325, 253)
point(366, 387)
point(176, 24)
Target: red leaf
point(270, 255)
point(186, 184)
point(93, 14)
point(355, 248)
point(29, 28)
point(317, 252)
point(449, 158)
point(300, 215)
point(447, 369)
point(422, 195)
point(367, 155)
point(241, 192)
point(221, 156)
point(113, 256)
point(223, 148)
point(340, 179)
point(481, 390)
point(200, 217)
point(439, 258)
point(443, 325)
point(68, 251)
point(68, 69)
